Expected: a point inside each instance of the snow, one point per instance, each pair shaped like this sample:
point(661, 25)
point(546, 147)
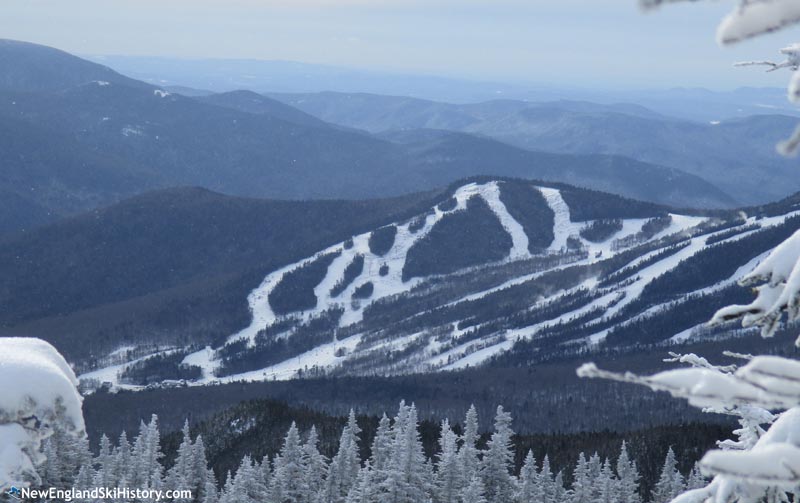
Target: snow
point(323, 356)
point(519, 250)
point(434, 355)
point(781, 273)
point(756, 17)
point(161, 93)
point(16, 465)
point(111, 373)
point(39, 391)
point(562, 226)
point(37, 381)
point(480, 356)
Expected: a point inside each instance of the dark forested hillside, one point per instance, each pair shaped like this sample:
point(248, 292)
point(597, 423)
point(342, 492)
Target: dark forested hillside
point(179, 262)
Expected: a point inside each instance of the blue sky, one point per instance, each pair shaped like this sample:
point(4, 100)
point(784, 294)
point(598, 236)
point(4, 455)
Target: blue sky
point(586, 43)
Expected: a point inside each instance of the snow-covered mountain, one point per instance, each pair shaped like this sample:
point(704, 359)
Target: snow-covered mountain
point(499, 270)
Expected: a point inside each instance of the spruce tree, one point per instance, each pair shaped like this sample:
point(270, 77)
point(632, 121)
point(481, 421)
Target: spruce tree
point(530, 488)
point(288, 481)
point(449, 480)
point(628, 476)
point(407, 479)
point(366, 489)
point(315, 467)
point(474, 492)
point(346, 464)
point(581, 482)
point(468, 452)
point(670, 484)
point(498, 461)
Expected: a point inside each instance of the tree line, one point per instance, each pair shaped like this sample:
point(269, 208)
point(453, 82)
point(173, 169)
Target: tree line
point(462, 470)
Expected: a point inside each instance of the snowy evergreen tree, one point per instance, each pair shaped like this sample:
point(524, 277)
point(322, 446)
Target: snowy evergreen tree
point(85, 478)
point(146, 470)
point(289, 477)
point(210, 492)
point(550, 492)
point(315, 467)
point(407, 478)
point(382, 445)
point(182, 475)
point(530, 488)
point(366, 488)
point(474, 492)
point(345, 466)
point(671, 483)
point(582, 482)
point(628, 476)
point(607, 485)
point(449, 481)
point(498, 460)
point(595, 468)
point(560, 493)
point(695, 479)
point(104, 462)
point(468, 452)
point(248, 486)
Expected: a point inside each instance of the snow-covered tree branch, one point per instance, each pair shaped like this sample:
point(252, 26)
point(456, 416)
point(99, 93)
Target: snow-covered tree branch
point(39, 395)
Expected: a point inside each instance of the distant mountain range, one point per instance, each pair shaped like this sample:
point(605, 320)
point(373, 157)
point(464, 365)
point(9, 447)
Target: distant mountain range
point(86, 136)
point(726, 153)
point(207, 76)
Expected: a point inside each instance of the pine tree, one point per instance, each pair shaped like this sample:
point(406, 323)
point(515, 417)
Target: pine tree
point(449, 481)
point(182, 475)
point(595, 468)
point(498, 460)
point(265, 470)
point(407, 479)
point(581, 483)
point(530, 487)
point(210, 493)
point(381, 447)
point(50, 471)
point(366, 489)
point(146, 470)
point(85, 478)
point(200, 471)
point(122, 461)
point(468, 452)
point(560, 493)
point(696, 480)
point(344, 467)
point(670, 484)
point(628, 475)
point(550, 493)
point(474, 492)
point(607, 485)
point(315, 467)
point(247, 484)
point(288, 481)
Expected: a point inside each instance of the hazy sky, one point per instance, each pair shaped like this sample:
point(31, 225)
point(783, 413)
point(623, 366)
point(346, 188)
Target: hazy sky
point(607, 43)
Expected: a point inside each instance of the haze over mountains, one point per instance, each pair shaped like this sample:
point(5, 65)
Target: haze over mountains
point(205, 76)
point(124, 137)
